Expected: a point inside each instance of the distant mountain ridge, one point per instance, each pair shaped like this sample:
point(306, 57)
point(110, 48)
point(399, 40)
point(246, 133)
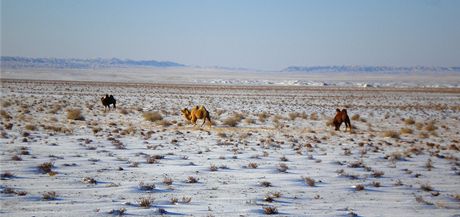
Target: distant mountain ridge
point(74, 63)
point(372, 69)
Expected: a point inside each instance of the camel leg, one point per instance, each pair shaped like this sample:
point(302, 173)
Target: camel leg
point(204, 121)
point(209, 121)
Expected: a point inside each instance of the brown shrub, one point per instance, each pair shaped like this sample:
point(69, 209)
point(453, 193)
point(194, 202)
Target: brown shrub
point(355, 117)
point(75, 114)
point(406, 130)
point(409, 121)
point(391, 134)
point(152, 116)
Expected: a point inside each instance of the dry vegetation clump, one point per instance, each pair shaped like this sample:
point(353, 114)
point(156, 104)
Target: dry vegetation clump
point(409, 121)
point(263, 116)
point(293, 115)
point(233, 120)
point(50, 195)
point(89, 180)
point(265, 184)
point(270, 210)
point(6, 175)
point(420, 199)
point(145, 202)
point(359, 187)
point(30, 127)
point(168, 181)
point(406, 130)
point(282, 167)
point(429, 164)
point(213, 168)
point(252, 165)
point(123, 111)
point(355, 117)
point(153, 159)
point(152, 116)
point(376, 184)
point(75, 114)
point(430, 126)
point(117, 212)
point(146, 186)
point(314, 116)
point(426, 187)
point(419, 126)
point(309, 181)
point(164, 123)
point(186, 199)
point(16, 158)
point(377, 173)
point(46, 167)
point(191, 179)
point(5, 115)
point(391, 134)
point(249, 120)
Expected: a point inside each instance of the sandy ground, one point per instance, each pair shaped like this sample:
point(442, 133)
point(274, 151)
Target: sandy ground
point(270, 147)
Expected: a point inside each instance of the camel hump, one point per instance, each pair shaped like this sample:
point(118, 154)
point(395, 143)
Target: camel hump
point(344, 110)
point(196, 107)
point(337, 110)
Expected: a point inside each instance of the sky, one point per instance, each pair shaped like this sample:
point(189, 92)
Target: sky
point(257, 34)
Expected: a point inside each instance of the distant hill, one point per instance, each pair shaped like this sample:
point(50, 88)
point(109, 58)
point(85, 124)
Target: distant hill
point(62, 63)
point(371, 69)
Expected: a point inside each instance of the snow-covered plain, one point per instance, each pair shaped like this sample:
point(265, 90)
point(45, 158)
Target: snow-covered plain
point(280, 145)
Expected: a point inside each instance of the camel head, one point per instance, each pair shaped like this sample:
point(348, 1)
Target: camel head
point(186, 113)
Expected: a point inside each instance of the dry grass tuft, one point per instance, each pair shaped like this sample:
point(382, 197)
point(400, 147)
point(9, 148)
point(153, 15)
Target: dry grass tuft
point(309, 181)
point(406, 130)
point(263, 116)
point(426, 187)
point(282, 167)
point(270, 210)
point(314, 116)
point(355, 117)
point(168, 181)
point(46, 167)
point(191, 179)
point(50, 195)
point(152, 116)
point(6, 175)
point(118, 212)
point(377, 173)
point(430, 126)
point(75, 114)
point(30, 127)
point(359, 187)
point(146, 202)
point(265, 184)
point(186, 199)
point(146, 186)
point(409, 121)
point(391, 134)
point(233, 120)
point(89, 180)
point(252, 165)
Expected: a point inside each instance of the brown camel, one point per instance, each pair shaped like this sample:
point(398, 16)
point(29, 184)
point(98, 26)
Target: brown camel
point(342, 116)
point(197, 113)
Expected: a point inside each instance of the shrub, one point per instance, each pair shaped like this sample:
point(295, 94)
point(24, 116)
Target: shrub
point(232, 121)
point(191, 179)
point(309, 181)
point(359, 187)
point(118, 212)
point(270, 210)
point(314, 116)
point(6, 175)
point(252, 165)
point(377, 173)
point(146, 186)
point(282, 167)
point(152, 116)
point(293, 115)
point(406, 131)
point(263, 116)
point(355, 117)
point(46, 167)
point(409, 121)
point(430, 126)
point(391, 134)
point(145, 202)
point(30, 127)
point(168, 181)
point(50, 195)
point(265, 184)
point(213, 168)
point(426, 187)
point(186, 199)
point(75, 114)
point(89, 180)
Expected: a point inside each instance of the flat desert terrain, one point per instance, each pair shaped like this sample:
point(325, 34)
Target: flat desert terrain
point(270, 150)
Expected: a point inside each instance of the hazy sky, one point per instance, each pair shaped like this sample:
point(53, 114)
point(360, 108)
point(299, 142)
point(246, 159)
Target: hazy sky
point(261, 34)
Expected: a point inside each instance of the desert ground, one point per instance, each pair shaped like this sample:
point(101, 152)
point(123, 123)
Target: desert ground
point(270, 150)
